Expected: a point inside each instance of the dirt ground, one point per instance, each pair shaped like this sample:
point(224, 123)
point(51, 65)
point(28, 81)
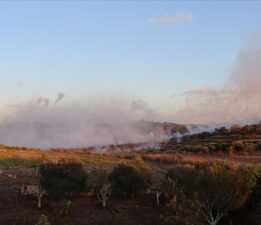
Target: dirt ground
point(19, 210)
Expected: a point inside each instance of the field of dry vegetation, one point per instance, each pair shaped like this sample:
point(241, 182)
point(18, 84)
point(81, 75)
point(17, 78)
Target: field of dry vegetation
point(18, 166)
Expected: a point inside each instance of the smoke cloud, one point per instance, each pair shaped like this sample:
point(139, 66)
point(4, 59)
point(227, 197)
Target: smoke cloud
point(60, 97)
point(43, 102)
point(74, 125)
point(238, 101)
point(101, 122)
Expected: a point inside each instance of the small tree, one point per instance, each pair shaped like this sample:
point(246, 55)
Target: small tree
point(39, 190)
point(217, 188)
point(158, 194)
point(39, 193)
point(103, 194)
point(223, 187)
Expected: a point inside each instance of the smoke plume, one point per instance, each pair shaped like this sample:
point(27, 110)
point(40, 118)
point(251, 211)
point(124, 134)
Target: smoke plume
point(96, 123)
point(60, 97)
point(238, 101)
point(74, 125)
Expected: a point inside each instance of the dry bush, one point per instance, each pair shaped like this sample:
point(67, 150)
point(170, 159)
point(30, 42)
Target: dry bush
point(165, 158)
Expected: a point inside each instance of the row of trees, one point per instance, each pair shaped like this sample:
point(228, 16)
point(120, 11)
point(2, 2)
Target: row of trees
point(67, 179)
point(196, 194)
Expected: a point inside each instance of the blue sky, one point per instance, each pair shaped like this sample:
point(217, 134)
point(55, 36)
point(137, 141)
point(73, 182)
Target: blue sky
point(89, 48)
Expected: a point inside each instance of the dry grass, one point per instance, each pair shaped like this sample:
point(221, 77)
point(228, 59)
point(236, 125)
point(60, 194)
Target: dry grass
point(21, 156)
point(13, 156)
point(189, 158)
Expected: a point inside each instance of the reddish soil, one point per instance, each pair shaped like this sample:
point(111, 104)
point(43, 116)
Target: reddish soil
point(18, 210)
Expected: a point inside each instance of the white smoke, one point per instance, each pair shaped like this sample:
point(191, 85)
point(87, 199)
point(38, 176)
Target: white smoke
point(111, 122)
point(238, 101)
point(43, 102)
point(73, 125)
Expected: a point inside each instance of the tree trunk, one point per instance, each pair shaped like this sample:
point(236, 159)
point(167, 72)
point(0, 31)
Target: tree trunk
point(104, 204)
point(39, 202)
point(157, 197)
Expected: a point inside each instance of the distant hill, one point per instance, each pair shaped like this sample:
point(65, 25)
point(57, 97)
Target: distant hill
point(234, 139)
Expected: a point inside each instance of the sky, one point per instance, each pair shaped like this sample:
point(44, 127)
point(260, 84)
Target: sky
point(145, 51)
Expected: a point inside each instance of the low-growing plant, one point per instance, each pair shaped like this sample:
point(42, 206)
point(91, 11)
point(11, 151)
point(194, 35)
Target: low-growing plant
point(183, 210)
point(66, 208)
point(117, 218)
point(43, 220)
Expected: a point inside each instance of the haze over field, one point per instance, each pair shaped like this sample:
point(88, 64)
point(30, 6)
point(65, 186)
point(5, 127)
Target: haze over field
point(100, 70)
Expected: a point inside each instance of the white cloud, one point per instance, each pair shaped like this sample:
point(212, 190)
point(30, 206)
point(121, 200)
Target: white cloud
point(179, 17)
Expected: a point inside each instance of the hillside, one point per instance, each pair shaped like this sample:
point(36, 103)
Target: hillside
point(235, 139)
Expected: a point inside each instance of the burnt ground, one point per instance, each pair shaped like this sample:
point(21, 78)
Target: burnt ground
point(19, 210)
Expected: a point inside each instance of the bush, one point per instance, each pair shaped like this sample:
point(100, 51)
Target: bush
point(217, 187)
point(253, 201)
point(182, 211)
point(238, 146)
point(222, 147)
point(125, 180)
point(98, 178)
point(63, 179)
point(184, 177)
point(255, 197)
point(66, 208)
point(258, 147)
point(43, 220)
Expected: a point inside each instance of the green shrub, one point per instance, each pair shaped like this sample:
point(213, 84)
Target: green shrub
point(63, 179)
point(66, 208)
point(43, 220)
point(125, 180)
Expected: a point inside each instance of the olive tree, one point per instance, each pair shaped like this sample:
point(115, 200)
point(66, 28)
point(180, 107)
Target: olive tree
point(223, 187)
point(217, 188)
